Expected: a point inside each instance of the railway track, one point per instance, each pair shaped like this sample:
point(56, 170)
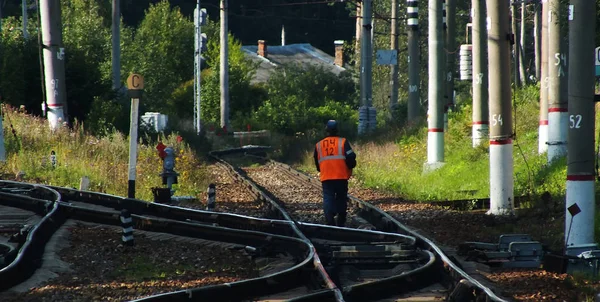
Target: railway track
point(298, 195)
point(377, 260)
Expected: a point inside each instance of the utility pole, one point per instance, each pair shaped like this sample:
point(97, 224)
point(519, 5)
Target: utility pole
point(480, 74)
point(366, 113)
point(54, 62)
point(537, 35)
point(450, 49)
point(522, 71)
point(516, 48)
point(435, 123)
point(224, 72)
point(558, 116)
point(24, 11)
point(199, 46)
point(443, 64)
point(414, 60)
point(543, 127)
point(116, 44)
point(394, 67)
point(580, 200)
point(358, 29)
point(501, 148)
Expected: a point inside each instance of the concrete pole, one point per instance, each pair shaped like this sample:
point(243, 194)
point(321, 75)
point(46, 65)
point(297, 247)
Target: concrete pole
point(133, 137)
point(197, 69)
point(522, 71)
point(435, 123)
point(358, 29)
point(224, 72)
point(543, 127)
point(558, 116)
point(24, 11)
point(537, 35)
point(443, 63)
point(516, 48)
point(394, 67)
point(480, 74)
point(414, 59)
point(450, 49)
point(501, 147)
point(579, 229)
point(54, 63)
point(366, 118)
point(116, 44)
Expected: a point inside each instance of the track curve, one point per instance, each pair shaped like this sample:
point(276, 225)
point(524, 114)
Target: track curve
point(400, 260)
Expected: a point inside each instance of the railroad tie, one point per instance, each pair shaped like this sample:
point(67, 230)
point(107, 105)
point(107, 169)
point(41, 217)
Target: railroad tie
point(127, 225)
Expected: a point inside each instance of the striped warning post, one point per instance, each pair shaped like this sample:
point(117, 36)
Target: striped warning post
point(445, 26)
point(211, 197)
point(127, 225)
point(412, 14)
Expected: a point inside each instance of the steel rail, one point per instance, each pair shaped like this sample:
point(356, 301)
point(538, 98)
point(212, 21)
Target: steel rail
point(317, 262)
point(387, 222)
point(360, 292)
point(29, 256)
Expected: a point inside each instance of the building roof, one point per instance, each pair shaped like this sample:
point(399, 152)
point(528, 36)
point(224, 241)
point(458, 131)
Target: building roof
point(302, 54)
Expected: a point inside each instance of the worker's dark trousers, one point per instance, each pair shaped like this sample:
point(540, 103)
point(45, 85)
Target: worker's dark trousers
point(335, 201)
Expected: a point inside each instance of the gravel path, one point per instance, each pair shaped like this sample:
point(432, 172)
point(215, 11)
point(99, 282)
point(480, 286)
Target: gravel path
point(232, 195)
point(450, 228)
point(102, 269)
point(304, 202)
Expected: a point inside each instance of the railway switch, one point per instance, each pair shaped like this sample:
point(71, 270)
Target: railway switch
point(512, 250)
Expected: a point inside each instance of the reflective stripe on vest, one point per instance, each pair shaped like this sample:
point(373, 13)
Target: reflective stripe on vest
point(332, 160)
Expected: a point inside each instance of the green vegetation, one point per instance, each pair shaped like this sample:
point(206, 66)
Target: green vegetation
point(394, 160)
point(104, 160)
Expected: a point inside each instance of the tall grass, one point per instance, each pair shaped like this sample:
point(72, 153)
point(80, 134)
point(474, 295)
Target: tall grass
point(395, 160)
point(29, 142)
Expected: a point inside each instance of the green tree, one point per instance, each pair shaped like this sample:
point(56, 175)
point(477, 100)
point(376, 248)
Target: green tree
point(20, 80)
point(303, 98)
point(87, 46)
point(244, 98)
point(162, 50)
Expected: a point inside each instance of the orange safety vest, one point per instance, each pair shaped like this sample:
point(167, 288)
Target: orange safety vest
point(332, 158)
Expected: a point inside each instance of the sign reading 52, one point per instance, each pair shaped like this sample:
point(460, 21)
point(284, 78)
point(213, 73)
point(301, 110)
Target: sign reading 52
point(575, 121)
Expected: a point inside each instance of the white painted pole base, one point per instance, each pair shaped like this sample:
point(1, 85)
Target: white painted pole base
point(558, 126)
point(501, 178)
point(543, 137)
point(480, 134)
point(580, 191)
point(435, 150)
point(55, 116)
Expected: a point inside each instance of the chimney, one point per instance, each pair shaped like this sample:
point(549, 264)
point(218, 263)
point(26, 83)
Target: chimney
point(339, 53)
point(262, 48)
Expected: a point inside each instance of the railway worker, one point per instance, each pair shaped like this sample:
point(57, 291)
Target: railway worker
point(334, 159)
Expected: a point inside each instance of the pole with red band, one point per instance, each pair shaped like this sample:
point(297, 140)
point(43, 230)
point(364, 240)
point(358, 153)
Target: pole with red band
point(580, 201)
point(435, 114)
point(501, 148)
